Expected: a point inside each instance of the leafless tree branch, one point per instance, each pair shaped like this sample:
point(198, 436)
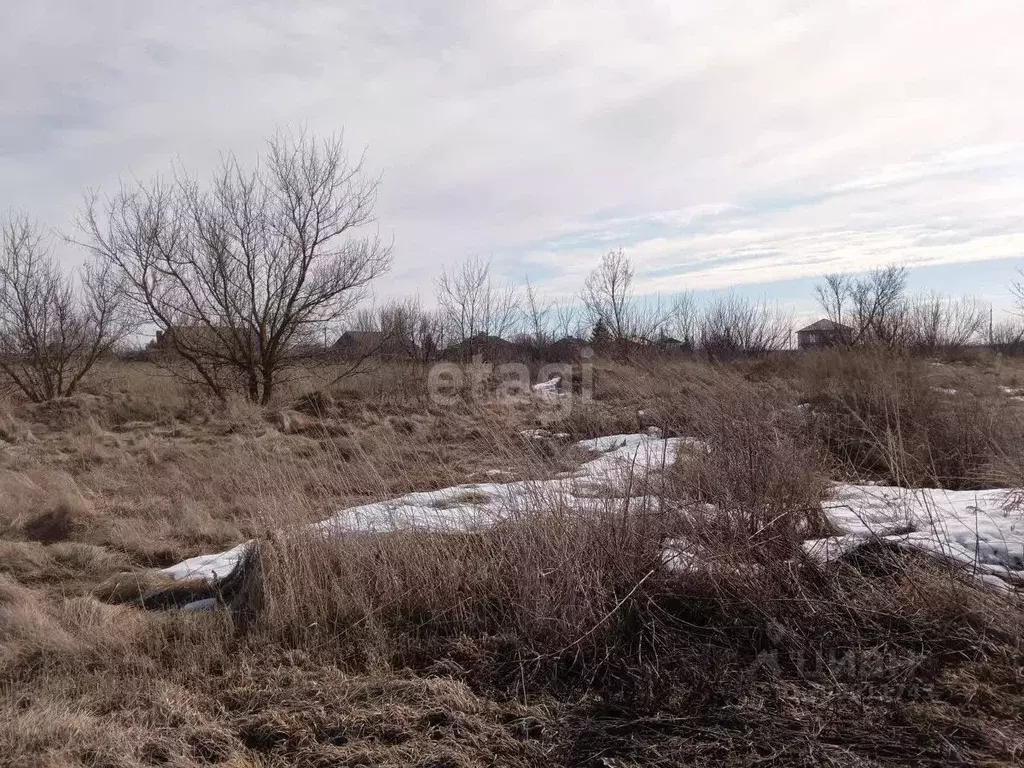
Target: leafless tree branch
point(244, 275)
point(52, 329)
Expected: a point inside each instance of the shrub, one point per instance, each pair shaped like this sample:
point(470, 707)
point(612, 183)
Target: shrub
point(761, 480)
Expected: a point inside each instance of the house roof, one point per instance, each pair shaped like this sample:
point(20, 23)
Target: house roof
point(825, 325)
point(483, 338)
point(189, 335)
point(361, 338)
point(366, 339)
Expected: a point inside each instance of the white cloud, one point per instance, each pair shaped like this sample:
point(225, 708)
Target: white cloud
point(727, 142)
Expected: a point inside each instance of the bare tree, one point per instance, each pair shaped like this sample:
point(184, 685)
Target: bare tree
point(471, 304)
point(365, 319)
point(941, 322)
point(1007, 335)
point(734, 325)
point(1017, 290)
point(537, 312)
point(52, 329)
point(879, 304)
point(568, 321)
point(873, 306)
point(683, 319)
point(425, 332)
point(609, 298)
point(244, 276)
point(833, 296)
point(406, 326)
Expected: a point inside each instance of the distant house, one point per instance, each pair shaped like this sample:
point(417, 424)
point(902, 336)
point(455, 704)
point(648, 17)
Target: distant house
point(189, 338)
point(164, 339)
point(368, 343)
point(491, 348)
point(824, 333)
point(671, 346)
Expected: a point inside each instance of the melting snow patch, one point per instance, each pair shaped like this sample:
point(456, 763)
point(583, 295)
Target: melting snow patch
point(1014, 393)
point(206, 604)
point(980, 531)
point(543, 434)
point(208, 566)
point(548, 390)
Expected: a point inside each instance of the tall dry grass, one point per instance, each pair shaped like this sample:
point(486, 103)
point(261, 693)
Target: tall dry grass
point(683, 631)
point(757, 485)
point(885, 416)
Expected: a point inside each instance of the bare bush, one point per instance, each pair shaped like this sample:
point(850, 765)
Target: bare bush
point(419, 332)
point(1007, 335)
point(1017, 290)
point(734, 325)
point(406, 329)
point(568, 321)
point(938, 322)
point(53, 328)
point(877, 310)
point(537, 317)
point(554, 583)
point(683, 320)
point(244, 276)
point(763, 479)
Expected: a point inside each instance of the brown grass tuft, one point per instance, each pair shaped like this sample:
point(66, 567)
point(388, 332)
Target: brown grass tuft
point(57, 523)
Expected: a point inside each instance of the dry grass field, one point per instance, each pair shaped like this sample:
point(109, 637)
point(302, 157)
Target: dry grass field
point(558, 637)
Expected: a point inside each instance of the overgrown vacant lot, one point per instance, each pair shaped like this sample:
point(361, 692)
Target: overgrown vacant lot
point(662, 616)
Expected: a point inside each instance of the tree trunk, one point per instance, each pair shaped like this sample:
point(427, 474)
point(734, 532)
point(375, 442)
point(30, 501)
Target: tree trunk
point(268, 387)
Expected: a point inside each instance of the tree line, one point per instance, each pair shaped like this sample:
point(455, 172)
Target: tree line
point(877, 309)
point(248, 274)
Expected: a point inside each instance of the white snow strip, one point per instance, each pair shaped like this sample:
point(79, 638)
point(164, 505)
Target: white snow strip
point(980, 531)
point(473, 506)
point(207, 566)
point(548, 390)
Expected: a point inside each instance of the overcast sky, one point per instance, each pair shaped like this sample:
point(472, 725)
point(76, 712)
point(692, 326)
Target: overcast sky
point(748, 144)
